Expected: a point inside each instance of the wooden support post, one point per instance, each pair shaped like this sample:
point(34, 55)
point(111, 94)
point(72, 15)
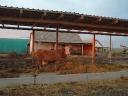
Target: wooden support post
point(33, 40)
point(93, 50)
point(33, 45)
point(56, 38)
point(56, 47)
point(110, 53)
point(82, 50)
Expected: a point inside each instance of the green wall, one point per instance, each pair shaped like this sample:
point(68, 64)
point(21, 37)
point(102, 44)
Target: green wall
point(8, 45)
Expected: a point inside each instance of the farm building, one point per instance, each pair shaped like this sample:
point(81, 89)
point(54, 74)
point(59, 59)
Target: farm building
point(9, 45)
point(72, 42)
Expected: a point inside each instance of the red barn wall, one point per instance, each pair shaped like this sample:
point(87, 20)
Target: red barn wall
point(76, 49)
point(87, 50)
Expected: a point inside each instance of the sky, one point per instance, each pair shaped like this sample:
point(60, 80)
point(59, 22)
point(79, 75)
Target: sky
point(107, 8)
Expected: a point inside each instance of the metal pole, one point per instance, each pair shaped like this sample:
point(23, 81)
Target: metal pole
point(57, 38)
point(110, 49)
point(33, 40)
point(33, 45)
point(56, 42)
point(93, 50)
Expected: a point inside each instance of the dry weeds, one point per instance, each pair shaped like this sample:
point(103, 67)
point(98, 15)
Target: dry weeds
point(92, 88)
point(70, 65)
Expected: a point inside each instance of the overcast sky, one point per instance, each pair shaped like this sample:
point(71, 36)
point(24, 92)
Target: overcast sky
point(109, 8)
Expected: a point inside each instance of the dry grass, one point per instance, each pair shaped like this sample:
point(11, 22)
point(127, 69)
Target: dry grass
point(93, 88)
point(70, 65)
point(74, 65)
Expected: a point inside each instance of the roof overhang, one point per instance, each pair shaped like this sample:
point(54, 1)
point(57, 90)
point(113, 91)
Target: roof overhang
point(64, 20)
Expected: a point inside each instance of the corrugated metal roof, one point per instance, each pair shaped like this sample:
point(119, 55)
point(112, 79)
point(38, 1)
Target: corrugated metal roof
point(65, 20)
point(62, 37)
point(56, 11)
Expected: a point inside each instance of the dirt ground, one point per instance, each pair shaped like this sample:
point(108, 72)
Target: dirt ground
point(15, 65)
point(12, 66)
point(92, 88)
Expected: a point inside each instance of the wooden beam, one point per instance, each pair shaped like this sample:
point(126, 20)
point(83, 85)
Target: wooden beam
point(65, 23)
point(53, 30)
